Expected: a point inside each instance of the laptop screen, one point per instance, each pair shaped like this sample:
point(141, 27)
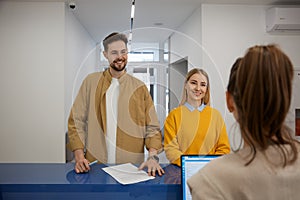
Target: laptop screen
point(191, 164)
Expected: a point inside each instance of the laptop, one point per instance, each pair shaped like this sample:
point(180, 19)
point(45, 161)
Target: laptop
point(191, 164)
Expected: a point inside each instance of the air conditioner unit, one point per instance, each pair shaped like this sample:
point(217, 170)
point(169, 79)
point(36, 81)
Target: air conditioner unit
point(283, 19)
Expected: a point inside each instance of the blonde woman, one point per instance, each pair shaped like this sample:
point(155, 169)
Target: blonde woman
point(194, 127)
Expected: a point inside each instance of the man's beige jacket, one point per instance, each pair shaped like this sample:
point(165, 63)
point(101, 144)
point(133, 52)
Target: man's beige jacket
point(137, 126)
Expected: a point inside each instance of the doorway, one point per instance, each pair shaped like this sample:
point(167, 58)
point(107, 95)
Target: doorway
point(177, 73)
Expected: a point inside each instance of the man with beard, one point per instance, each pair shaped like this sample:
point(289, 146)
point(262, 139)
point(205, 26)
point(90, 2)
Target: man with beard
point(113, 117)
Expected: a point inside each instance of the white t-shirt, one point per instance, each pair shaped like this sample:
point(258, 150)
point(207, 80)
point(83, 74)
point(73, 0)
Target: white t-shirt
point(112, 96)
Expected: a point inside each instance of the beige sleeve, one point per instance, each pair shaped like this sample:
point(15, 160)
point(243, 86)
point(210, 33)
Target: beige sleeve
point(153, 133)
point(77, 122)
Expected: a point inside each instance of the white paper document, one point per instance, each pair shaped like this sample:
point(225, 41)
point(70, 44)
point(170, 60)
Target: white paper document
point(127, 173)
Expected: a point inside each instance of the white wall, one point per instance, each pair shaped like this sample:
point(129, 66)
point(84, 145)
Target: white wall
point(226, 32)
point(186, 41)
point(31, 82)
point(80, 58)
point(45, 54)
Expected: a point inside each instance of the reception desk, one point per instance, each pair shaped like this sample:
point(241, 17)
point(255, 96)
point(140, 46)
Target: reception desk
point(59, 181)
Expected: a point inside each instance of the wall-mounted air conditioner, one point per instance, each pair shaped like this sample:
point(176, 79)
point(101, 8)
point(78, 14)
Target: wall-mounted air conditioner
point(283, 19)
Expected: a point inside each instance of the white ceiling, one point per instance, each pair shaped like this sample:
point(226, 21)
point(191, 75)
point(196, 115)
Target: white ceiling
point(101, 17)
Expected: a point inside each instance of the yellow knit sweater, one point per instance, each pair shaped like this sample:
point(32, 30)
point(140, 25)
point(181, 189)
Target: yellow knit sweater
point(194, 132)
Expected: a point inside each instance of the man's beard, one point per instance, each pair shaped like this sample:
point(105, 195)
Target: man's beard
point(114, 63)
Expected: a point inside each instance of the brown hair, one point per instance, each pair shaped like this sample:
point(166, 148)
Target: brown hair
point(113, 37)
point(187, 78)
point(232, 76)
point(262, 94)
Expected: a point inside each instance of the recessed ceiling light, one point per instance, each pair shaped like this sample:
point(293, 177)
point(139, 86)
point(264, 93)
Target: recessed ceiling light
point(158, 24)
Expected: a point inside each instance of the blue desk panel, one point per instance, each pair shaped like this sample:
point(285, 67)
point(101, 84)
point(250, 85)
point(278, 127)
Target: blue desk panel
point(59, 181)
